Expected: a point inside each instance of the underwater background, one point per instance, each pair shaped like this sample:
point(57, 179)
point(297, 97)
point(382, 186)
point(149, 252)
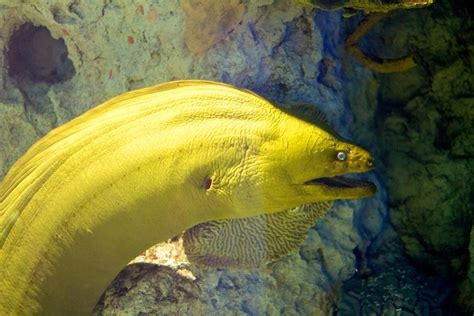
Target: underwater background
point(407, 251)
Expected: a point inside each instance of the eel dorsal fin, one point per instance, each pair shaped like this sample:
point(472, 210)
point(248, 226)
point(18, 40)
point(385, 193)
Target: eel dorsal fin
point(251, 242)
point(309, 113)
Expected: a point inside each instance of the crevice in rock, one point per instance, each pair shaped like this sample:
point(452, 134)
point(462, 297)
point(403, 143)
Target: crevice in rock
point(33, 56)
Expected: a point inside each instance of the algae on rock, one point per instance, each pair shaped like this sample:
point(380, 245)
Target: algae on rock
point(465, 294)
point(424, 120)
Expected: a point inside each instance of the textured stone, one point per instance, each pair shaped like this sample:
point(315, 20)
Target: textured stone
point(395, 291)
point(151, 289)
point(15, 134)
point(423, 129)
point(465, 294)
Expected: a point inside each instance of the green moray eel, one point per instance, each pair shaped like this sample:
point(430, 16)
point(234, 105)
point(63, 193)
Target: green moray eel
point(254, 242)
point(144, 167)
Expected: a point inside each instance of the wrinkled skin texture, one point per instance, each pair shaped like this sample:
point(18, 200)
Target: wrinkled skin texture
point(141, 168)
point(251, 242)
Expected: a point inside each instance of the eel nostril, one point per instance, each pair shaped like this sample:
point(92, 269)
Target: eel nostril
point(207, 183)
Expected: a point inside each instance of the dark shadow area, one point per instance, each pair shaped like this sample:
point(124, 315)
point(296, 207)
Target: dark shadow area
point(34, 55)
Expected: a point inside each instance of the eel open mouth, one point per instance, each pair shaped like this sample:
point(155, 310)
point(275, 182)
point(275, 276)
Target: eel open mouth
point(341, 182)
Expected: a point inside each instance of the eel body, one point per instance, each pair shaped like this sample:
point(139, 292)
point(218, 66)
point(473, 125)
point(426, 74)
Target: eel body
point(143, 167)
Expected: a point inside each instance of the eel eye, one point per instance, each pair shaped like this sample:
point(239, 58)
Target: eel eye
point(341, 155)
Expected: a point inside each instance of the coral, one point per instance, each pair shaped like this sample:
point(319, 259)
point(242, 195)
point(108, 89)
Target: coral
point(367, 5)
point(372, 62)
point(380, 8)
point(208, 22)
point(386, 5)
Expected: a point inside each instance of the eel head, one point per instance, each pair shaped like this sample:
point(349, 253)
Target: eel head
point(311, 164)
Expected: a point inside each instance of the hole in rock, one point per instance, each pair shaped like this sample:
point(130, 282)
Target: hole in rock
point(33, 55)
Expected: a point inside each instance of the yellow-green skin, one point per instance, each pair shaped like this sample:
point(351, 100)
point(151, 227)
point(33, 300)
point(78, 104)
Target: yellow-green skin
point(94, 193)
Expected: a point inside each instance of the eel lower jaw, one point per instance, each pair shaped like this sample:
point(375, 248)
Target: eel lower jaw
point(341, 187)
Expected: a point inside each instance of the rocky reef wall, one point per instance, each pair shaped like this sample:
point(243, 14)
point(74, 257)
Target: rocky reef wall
point(423, 122)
